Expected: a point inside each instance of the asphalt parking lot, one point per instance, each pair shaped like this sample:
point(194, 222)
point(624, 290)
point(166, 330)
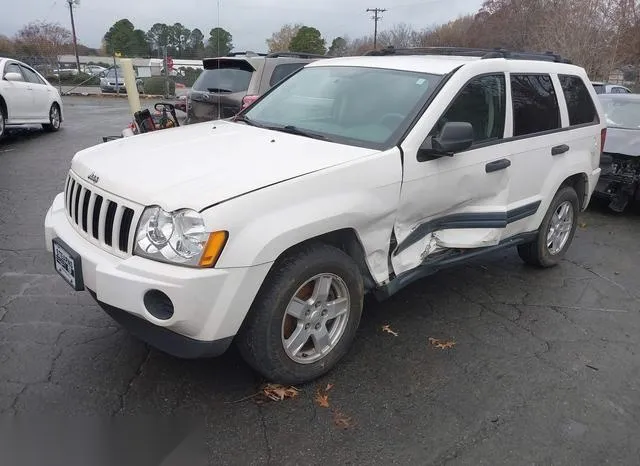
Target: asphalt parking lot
point(545, 367)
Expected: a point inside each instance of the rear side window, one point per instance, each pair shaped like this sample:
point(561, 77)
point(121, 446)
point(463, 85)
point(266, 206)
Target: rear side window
point(224, 76)
point(619, 90)
point(579, 103)
point(599, 88)
point(282, 71)
point(535, 106)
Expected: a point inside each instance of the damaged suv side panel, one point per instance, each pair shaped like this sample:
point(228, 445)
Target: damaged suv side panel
point(620, 162)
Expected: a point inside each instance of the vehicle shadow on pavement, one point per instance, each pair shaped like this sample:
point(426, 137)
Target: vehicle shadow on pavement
point(15, 135)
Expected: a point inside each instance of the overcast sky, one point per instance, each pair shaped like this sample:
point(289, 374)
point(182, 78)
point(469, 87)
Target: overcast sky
point(249, 21)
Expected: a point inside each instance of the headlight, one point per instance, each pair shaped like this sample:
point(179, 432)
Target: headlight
point(178, 237)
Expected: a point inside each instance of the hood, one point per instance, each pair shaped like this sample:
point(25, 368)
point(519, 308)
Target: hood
point(198, 165)
point(623, 141)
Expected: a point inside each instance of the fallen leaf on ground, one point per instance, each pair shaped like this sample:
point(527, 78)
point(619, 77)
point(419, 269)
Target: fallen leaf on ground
point(582, 225)
point(442, 344)
point(386, 328)
point(322, 399)
point(277, 392)
point(341, 420)
point(322, 396)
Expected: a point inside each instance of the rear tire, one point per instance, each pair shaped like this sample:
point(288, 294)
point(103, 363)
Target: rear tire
point(55, 119)
point(289, 335)
point(556, 231)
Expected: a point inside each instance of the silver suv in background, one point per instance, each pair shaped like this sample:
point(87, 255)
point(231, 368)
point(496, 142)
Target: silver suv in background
point(229, 84)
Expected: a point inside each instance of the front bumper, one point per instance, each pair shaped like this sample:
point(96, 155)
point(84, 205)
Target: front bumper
point(209, 304)
point(109, 88)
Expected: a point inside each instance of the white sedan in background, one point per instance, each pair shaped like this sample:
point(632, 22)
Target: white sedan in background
point(27, 98)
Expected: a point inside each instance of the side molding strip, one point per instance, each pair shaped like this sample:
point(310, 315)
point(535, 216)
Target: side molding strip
point(469, 220)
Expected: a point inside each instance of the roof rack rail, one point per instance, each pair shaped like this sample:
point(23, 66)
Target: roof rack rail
point(248, 53)
point(470, 52)
point(295, 55)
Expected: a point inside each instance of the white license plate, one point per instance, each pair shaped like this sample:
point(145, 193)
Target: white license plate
point(68, 264)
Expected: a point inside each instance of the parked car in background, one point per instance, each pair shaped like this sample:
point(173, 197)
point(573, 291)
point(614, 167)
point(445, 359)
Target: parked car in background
point(229, 84)
point(620, 162)
point(93, 70)
point(65, 72)
point(604, 88)
point(113, 81)
point(26, 98)
point(355, 175)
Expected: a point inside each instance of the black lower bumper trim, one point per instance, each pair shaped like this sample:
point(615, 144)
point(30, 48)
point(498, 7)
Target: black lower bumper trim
point(163, 339)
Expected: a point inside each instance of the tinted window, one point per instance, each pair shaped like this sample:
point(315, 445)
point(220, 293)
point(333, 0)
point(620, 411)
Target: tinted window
point(619, 90)
point(31, 76)
point(13, 68)
point(579, 103)
point(223, 80)
point(535, 106)
point(599, 88)
point(282, 71)
point(481, 103)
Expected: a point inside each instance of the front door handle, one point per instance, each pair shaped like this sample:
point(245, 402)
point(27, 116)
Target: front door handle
point(561, 149)
point(497, 165)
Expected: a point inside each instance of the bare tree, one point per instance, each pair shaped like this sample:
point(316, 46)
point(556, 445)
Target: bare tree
point(280, 40)
point(42, 39)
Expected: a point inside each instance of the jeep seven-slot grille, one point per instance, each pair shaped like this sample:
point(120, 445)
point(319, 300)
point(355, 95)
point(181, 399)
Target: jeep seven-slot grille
point(104, 221)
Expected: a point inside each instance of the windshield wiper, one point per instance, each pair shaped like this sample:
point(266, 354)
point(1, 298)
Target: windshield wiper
point(219, 90)
point(247, 120)
point(297, 131)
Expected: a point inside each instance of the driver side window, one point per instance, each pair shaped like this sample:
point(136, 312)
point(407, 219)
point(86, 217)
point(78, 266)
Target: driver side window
point(482, 102)
point(13, 68)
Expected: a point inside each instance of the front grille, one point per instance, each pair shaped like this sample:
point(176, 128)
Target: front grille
point(100, 217)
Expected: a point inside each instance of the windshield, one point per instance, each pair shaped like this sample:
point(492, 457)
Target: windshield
point(111, 74)
point(622, 113)
point(223, 80)
point(366, 107)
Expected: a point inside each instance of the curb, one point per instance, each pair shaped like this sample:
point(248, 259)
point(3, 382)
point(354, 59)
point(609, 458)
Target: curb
point(113, 96)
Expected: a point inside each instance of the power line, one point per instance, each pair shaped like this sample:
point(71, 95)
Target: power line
point(376, 17)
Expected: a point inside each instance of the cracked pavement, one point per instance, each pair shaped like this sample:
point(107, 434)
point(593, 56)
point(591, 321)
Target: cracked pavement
point(545, 369)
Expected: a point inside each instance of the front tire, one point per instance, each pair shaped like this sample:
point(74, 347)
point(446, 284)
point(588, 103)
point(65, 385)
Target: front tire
point(55, 119)
point(305, 315)
point(556, 231)
point(2, 123)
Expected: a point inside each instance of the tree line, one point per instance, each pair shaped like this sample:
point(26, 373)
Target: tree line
point(178, 41)
point(41, 40)
point(600, 35)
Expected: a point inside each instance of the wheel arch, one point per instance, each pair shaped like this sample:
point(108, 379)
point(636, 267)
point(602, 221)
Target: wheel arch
point(345, 239)
point(4, 108)
point(580, 183)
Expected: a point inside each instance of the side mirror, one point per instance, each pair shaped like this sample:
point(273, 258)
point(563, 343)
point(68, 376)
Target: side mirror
point(13, 77)
point(455, 136)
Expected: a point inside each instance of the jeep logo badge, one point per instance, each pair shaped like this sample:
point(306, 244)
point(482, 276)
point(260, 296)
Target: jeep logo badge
point(93, 177)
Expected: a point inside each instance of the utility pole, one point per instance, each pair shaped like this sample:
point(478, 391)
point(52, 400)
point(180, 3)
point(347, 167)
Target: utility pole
point(73, 31)
point(376, 17)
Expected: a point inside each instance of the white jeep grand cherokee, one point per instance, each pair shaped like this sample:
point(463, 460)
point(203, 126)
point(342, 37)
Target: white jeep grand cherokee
point(354, 175)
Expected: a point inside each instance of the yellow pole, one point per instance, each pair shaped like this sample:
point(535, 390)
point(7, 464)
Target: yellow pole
point(130, 84)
